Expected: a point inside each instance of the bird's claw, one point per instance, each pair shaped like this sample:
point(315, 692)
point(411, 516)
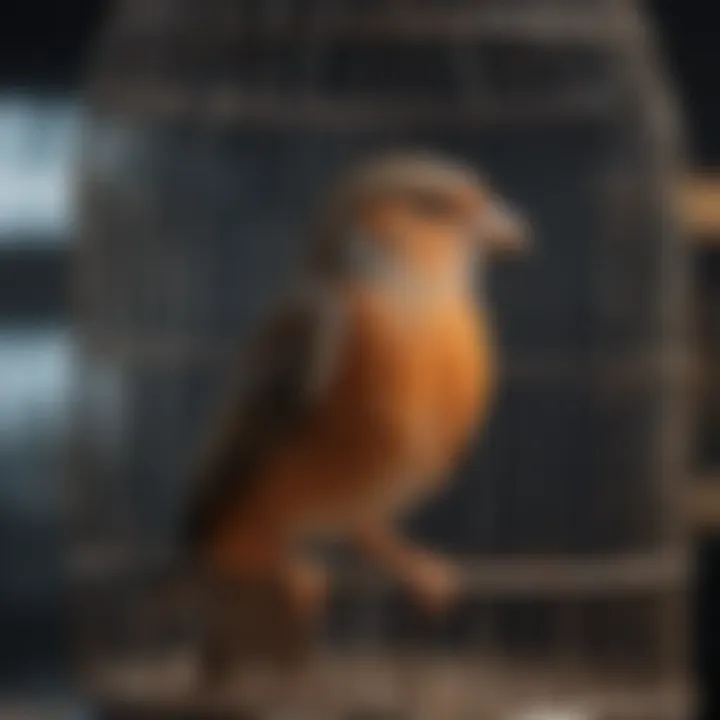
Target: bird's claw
point(308, 589)
point(435, 582)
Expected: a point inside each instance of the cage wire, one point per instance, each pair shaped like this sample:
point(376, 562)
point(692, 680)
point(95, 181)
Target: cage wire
point(213, 127)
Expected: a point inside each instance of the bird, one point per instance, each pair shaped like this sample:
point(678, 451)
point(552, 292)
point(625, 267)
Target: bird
point(363, 386)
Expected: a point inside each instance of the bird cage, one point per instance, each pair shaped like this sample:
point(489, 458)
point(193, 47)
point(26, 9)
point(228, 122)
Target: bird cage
point(213, 127)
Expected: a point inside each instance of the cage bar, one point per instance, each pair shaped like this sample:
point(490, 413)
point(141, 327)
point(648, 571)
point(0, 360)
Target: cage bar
point(213, 127)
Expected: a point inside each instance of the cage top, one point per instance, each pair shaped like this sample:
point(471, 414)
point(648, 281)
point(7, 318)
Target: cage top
point(576, 20)
point(361, 62)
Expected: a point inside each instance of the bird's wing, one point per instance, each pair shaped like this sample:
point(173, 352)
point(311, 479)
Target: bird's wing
point(288, 369)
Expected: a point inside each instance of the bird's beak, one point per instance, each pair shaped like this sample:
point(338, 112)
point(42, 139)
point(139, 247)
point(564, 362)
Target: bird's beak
point(503, 231)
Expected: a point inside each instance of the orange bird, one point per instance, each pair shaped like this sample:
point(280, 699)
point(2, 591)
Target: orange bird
point(364, 386)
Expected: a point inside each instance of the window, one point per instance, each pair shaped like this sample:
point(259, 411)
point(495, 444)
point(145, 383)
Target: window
point(38, 145)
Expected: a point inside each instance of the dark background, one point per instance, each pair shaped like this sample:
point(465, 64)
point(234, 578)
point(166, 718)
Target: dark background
point(43, 43)
point(43, 48)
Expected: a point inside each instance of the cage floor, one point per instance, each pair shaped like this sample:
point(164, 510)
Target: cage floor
point(365, 685)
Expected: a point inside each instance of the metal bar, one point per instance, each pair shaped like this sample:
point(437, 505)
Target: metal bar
point(612, 369)
point(517, 577)
point(567, 578)
point(229, 105)
point(568, 25)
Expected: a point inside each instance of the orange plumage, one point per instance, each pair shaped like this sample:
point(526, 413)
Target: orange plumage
point(367, 385)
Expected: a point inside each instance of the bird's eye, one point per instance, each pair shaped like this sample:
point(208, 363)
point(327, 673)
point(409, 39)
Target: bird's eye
point(432, 205)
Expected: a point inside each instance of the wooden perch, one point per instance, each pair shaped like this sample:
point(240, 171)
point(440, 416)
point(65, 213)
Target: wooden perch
point(702, 506)
point(699, 200)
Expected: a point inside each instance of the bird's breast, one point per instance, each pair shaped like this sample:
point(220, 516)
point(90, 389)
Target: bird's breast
point(414, 384)
point(408, 392)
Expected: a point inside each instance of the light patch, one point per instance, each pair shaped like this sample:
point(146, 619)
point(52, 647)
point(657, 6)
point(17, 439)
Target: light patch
point(367, 262)
point(552, 713)
point(39, 139)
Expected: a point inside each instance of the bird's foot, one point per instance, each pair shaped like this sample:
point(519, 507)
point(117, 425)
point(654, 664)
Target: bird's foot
point(434, 581)
point(307, 586)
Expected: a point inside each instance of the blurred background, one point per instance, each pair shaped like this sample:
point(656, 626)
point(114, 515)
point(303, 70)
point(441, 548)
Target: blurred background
point(143, 219)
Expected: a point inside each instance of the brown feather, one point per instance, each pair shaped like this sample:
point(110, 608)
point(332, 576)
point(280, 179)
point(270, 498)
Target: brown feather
point(285, 372)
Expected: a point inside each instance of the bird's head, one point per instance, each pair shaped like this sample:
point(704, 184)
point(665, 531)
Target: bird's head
point(427, 213)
